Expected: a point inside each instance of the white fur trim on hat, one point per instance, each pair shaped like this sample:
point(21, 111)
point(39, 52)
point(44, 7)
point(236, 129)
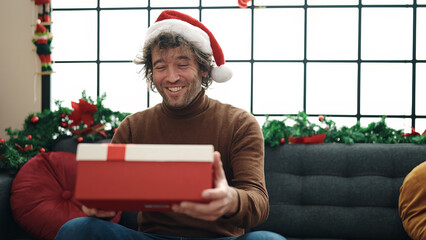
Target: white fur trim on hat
point(191, 33)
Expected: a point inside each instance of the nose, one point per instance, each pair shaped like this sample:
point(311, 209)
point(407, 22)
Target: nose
point(172, 74)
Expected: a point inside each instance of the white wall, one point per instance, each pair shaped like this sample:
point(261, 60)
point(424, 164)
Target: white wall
point(20, 88)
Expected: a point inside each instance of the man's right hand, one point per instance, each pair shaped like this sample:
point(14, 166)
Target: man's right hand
point(92, 212)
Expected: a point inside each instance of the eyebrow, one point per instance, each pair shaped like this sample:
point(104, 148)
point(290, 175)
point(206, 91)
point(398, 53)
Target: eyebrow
point(182, 57)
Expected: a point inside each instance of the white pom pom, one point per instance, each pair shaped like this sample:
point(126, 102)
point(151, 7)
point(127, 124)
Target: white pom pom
point(221, 74)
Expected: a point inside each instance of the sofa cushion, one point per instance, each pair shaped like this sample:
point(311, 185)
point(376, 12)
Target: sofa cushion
point(412, 203)
point(42, 194)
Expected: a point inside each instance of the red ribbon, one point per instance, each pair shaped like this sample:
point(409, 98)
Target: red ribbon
point(319, 138)
point(98, 128)
point(23, 149)
point(116, 152)
point(413, 133)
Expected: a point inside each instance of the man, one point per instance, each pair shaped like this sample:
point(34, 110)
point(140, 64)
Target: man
point(177, 59)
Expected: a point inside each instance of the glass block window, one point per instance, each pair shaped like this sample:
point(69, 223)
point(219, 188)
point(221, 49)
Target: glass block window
point(352, 60)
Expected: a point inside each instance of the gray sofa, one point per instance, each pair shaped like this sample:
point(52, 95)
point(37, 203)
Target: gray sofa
point(319, 191)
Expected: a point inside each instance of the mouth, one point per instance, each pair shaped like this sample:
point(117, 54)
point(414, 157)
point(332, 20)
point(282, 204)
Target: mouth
point(174, 89)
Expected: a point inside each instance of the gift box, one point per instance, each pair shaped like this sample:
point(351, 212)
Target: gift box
point(142, 177)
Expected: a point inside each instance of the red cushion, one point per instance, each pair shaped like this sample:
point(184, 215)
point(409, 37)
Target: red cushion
point(42, 194)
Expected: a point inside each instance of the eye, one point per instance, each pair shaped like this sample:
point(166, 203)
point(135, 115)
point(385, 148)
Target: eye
point(159, 67)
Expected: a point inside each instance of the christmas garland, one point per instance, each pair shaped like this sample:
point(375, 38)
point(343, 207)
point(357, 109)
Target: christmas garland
point(89, 121)
point(301, 130)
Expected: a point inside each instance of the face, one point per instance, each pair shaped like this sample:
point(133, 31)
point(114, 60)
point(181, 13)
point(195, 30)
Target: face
point(176, 75)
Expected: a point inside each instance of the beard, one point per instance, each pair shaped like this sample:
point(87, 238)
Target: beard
point(183, 97)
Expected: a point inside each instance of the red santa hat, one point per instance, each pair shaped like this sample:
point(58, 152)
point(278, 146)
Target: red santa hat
point(195, 32)
point(40, 29)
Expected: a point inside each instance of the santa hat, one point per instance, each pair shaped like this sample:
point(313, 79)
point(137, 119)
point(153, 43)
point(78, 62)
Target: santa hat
point(195, 32)
point(40, 29)
point(41, 32)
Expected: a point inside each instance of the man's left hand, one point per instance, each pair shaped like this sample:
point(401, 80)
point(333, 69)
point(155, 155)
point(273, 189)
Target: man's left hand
point(223, 199)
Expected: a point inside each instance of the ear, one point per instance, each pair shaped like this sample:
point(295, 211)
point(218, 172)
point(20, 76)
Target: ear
point(204, 74)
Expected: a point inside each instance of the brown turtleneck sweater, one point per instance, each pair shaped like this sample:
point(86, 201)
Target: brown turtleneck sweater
point(233, 132)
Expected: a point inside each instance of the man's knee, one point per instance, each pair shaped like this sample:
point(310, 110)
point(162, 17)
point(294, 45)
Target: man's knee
point(85, 226)
point(263, 235)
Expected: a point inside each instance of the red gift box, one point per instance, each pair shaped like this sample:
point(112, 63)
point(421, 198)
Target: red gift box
point(147, 177)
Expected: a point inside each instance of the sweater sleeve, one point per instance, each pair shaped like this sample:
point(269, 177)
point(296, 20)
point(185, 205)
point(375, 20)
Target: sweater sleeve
point(247, 162)
point(123, 133)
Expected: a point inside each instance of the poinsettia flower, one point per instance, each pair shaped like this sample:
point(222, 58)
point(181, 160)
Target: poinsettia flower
point(83, 111)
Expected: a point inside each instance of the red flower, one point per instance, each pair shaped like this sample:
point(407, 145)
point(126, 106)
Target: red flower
point(83, 111)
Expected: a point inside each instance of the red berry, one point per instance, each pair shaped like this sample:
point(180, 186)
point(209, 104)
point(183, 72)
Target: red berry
point(80, 139)
point(34, 119)
point(114, 130)
point(42, 150)
point(64, 124)
point(63, 115)
point(29, 136)
point(320, 118)
point(2, 140)
point(282, 140)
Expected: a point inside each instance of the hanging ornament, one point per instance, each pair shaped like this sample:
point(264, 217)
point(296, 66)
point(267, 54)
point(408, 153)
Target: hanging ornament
point(34, 119)
point(43, 8)
point(42, 39)
point(2, 141)
point(80, 139)
point(243, 3)
point(29, 136)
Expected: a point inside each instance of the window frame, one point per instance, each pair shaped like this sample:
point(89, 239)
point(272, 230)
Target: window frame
point(46, 101)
